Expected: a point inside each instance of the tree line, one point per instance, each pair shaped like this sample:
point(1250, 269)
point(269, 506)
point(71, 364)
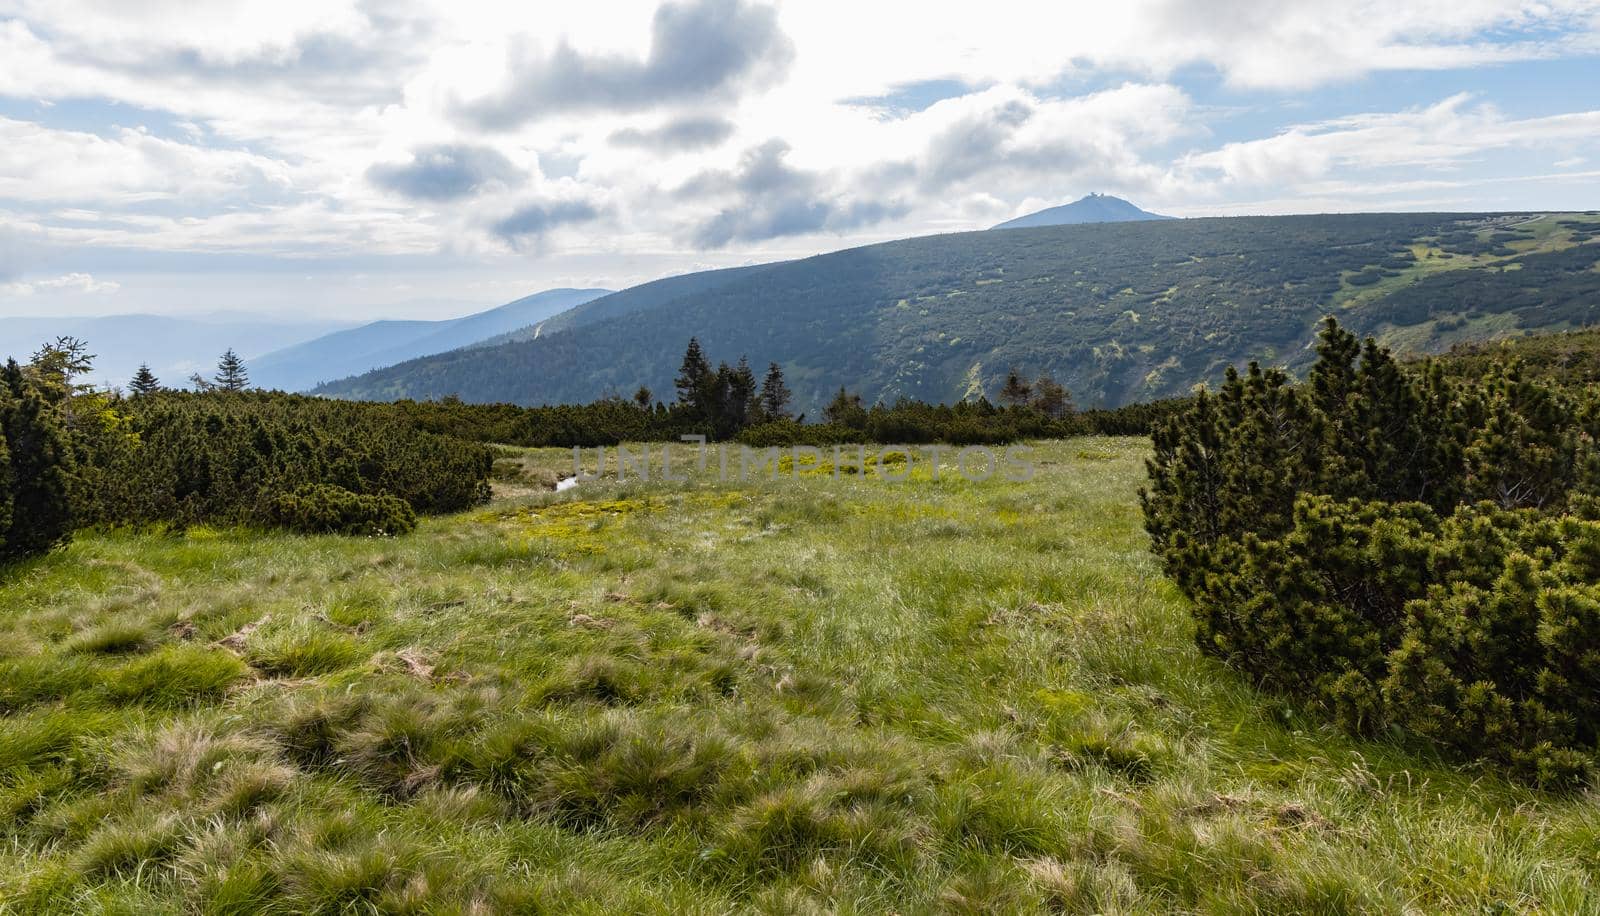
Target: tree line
point(731, 402)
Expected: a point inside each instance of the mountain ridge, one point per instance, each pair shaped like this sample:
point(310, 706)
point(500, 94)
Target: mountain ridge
point(1118, 312)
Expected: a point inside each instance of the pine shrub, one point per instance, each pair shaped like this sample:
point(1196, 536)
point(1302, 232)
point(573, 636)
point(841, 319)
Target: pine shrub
point(327, 509)
point(1401, 548)
point(229, 458)
point(36, 510)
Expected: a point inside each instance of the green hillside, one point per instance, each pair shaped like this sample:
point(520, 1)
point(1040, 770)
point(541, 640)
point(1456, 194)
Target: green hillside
point(639, 298)
point(1117, 312)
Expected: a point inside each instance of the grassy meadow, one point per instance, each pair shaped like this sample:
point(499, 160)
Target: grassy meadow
point(816, 694)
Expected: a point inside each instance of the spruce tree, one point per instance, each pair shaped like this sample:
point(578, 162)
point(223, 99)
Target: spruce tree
point(41, 511)
point(1050, 398)
point(775, 395)
point(56, 366)
point(846, 410)
point(694, 378)
point(1016, 392)
point(231, 374)
point(742, 404)
point(144, 381)
point(641, 398)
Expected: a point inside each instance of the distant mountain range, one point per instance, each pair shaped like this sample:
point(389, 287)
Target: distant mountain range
point(173, 346)
point(1096, 208)
point(1117, 311)
point(384, 343)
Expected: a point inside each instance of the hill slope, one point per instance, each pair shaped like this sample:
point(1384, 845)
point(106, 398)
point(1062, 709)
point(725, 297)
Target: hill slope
point(1118, 312)
point(1096, 208)
point(384, 343)
point(633, 299)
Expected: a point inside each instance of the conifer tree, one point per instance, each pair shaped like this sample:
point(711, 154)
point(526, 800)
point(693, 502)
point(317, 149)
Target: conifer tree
point(1528, 452)
point(231, 374)
point(846, 410)
point(1331, 386)
point(1401, 548)
point(694, 378)
point(144, 381)
point(742, 393)
point(775, 395)
point(40, 502)
point(57, 365)
point(641, 398)
point(1050, 398)
point(1016, 391)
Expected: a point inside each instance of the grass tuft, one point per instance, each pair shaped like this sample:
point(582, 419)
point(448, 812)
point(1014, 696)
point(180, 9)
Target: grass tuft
point(299, 653)
point(175, 677)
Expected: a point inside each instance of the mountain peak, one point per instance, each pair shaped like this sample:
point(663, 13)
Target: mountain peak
point(1092, 208)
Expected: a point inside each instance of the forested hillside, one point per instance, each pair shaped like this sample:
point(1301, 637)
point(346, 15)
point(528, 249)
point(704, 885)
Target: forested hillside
point(1117, 312)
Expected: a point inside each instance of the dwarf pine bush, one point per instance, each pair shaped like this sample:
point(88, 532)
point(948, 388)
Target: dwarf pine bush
point(35, 509)
point(326, 509)
point(1403, 549)
point(71, 456)
point(267, 458)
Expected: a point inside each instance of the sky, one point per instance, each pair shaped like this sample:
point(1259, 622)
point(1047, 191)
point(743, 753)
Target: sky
point(420, 159)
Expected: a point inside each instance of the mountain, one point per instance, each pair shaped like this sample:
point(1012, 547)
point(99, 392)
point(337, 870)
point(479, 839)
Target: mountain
point(174, 346)
point(633, 299)
point(1118, 312)
point(1096, 208)
point(384, 343)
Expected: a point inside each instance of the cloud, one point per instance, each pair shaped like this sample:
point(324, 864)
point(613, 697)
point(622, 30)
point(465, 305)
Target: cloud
point(1445, 135)
point(681, 135)
point(1251, 44)
point(1010, 142)
point(41, 164)
point(973, 142)
point(774, 200)
point(241, 130)
point(438, 173)
point(71, 283)
point(700, 49)
point(531, 221)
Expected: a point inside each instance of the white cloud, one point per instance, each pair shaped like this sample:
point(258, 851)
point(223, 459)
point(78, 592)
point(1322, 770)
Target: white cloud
point(71, 283)
point(41, 164)
point(335, 128)
point(1440, 136)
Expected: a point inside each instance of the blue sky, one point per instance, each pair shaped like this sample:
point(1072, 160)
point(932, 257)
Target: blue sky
point(424, 159)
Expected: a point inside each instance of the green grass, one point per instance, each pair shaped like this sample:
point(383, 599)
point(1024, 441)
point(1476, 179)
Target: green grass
point(808, 695)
